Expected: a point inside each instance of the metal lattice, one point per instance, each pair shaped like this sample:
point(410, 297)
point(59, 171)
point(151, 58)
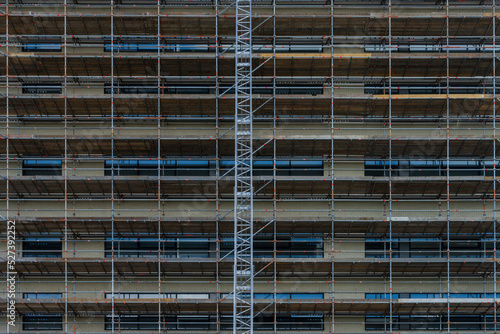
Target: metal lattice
point(243, 189)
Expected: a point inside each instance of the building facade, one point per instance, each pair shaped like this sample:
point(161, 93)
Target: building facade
point(374, 165)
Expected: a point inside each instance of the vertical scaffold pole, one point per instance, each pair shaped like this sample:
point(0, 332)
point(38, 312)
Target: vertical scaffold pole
point(243, 179)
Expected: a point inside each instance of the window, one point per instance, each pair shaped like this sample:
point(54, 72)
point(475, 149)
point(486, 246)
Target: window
point(193, 322)
point(131, 167)
point(425, 247)
point(381, 296)
point(148, 247)
point(429, 295)
point(132, 47)
point(170, 322)
point(132, 322)
point(42, 88)
point(435, 47)
point(36, 322)
point(42, 167)
point(426, 88)
point(186, 168)
point(380, 323)
point(203, 167)
point(429, 247)
point(283, 167)
point(187, 247)
point(305, 322)
point(466, 248)
point(379, 167)
point(379, 248)
point(42, 295)
point(430, 168)
point(189, 47)
point(42, 47)
point(132, 247)
point(459, 322)
point(289, 296)
point(154, 295)
point(285, 248)
point(42, 247)
point(132, 88)
point(203, 89)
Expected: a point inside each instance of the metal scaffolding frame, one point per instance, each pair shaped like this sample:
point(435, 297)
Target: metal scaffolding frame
point(243, 291)
point(231, 101)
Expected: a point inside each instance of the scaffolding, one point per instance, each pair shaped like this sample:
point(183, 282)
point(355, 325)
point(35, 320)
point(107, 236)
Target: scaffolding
point(243, 291)
point(204, 166)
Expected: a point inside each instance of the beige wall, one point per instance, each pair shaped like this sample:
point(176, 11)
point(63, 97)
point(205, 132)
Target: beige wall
point(411, 209)
point(125, 129)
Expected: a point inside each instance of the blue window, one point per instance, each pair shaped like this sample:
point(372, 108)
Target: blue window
point(424, 295)
point(379, 167)
point(289, 296)
point(469, 295)
point(42, 47)
point(42, 167)
point(133, 47)
point(42, 295)
point(381, 296)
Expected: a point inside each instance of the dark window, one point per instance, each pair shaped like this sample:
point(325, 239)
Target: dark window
point(187, 168)
point(424, 247)
point(428, 247)
point(42, 88)
point(425, 168)
point(42, 247)
point(461, 322)
point(429, 168)
point(148, 247)
point(173, 322)
point(35, 322)
point(305, 322)
point(132, 247)
point(195, 322)
point(132, 322)
point(380, 323)
point(283, 167)
point(186, 248)
point(426, 88)
point(207, 168)
point(285, 248)
point(131, 167)
point(466, 248)
point(42, 167)
point(199, 89)
point(420, 322)
point(380, 248)
point(379, 167)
